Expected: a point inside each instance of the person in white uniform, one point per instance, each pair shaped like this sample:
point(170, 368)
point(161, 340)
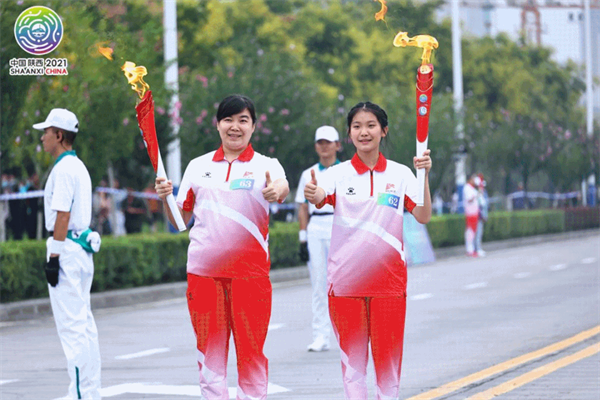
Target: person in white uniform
point(70, 266)
point(315, 236)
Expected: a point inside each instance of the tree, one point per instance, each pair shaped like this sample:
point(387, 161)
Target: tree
point(522, 112)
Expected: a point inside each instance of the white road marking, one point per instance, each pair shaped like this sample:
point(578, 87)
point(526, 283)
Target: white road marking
point(558, 267)
point(143, 353)
point(588, 260)
point(522, 275)
point(179, 390)
point(477, 285)
point(272, 327)
point(5, 381)
point(421, 296)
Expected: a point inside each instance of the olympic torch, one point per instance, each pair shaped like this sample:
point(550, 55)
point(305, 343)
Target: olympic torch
point(424, 92)
point(145, 117)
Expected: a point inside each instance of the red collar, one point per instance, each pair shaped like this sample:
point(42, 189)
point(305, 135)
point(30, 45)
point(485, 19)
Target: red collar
point(361, 167)
point(246, 155)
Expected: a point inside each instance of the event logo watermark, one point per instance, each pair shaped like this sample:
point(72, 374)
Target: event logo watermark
point(38, 31)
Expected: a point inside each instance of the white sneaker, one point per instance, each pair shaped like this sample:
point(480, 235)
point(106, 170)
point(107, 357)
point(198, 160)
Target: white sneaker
point(481, 253)
point(320, 344)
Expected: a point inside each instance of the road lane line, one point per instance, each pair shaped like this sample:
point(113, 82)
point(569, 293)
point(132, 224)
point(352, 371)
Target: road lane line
point(5, 381)
point(173, 390)
point(588, 260)
point(477, 285)
point(558, 267)
point(522, 275)
point(506, 365)
point(421, 296)
point(143, 353)
point(536, 373)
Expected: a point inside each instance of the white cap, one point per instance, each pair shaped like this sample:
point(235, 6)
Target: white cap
point(59, 118)
point(328, 133)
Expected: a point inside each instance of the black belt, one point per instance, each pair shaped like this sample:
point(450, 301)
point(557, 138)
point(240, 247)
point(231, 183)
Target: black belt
point(316, 214)
point(51, 233)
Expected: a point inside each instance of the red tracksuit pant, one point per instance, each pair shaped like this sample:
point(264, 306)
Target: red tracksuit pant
point(219, 306)
point(380, 320)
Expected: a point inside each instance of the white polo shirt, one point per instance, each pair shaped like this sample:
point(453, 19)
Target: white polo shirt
point(366, 257)
point(68, 189)
point(320, 224)
point(230, 236)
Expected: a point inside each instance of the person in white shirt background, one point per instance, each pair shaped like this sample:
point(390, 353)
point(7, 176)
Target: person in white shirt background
point(70, 265)
point(315, 236)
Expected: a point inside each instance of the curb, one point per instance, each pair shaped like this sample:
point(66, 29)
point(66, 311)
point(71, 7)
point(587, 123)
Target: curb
point(38, 308)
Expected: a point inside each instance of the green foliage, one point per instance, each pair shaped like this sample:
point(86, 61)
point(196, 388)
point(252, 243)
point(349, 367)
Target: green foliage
point(522, 115)
point(95, 89)
point(283, 245)
point(309, 62)
point(124, 262)
point(448, 230)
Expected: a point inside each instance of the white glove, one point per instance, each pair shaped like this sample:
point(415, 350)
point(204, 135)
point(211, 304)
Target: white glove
point(94, 240)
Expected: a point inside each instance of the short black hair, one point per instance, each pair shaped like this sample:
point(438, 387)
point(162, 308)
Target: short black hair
point(68, 136)
point(371, 107)
point(235, 104)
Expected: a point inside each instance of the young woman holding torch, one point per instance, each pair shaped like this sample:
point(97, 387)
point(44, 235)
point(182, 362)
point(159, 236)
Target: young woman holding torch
point(228, 192)
point(366, 271)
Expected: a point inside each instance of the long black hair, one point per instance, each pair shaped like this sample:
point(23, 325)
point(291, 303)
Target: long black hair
point(235, 104)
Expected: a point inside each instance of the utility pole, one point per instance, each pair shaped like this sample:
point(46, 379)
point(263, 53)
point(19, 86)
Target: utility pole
point(589, 187)
point(460, 176)
point(172, 84)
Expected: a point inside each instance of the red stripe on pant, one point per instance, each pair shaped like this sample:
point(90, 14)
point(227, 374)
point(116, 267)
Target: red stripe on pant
point(356, 320)
point(218, 307)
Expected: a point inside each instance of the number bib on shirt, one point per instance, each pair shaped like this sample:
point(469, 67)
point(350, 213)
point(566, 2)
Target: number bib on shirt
point(387, 199)
point(245, 184)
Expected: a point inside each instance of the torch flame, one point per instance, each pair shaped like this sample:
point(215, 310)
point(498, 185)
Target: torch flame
point(106, 52)
point(134, 76)
point(426, 42)
point(381, 14)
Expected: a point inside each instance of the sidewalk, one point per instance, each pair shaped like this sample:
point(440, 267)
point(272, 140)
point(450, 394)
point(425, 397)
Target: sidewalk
point(31, 309)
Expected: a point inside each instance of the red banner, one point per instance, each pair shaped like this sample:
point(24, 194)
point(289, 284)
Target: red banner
point(424, 92)
point(145, 117)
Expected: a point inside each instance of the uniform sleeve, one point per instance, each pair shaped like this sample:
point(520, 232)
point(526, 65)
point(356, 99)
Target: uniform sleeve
point(300, 192)
point(276, 170)
point(186, 195)
point(64, 191)
point(412, 188)
point(327, 182)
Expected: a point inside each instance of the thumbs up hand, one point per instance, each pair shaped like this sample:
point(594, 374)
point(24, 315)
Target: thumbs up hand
point(311, 189)
point(270, 192)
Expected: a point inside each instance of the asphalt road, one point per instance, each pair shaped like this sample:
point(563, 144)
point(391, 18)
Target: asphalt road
point(503, 326)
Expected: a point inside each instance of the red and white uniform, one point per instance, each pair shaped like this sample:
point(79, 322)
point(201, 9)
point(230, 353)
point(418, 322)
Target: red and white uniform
point(367, 269)
point(470, 195)
point(228, 267)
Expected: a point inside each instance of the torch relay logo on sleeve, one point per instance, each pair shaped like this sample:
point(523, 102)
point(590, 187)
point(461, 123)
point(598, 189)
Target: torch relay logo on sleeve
point(38, 31)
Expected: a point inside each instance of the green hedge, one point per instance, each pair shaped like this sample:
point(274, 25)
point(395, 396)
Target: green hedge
point(128, 261)
point(146, 259)
point(449, 230)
